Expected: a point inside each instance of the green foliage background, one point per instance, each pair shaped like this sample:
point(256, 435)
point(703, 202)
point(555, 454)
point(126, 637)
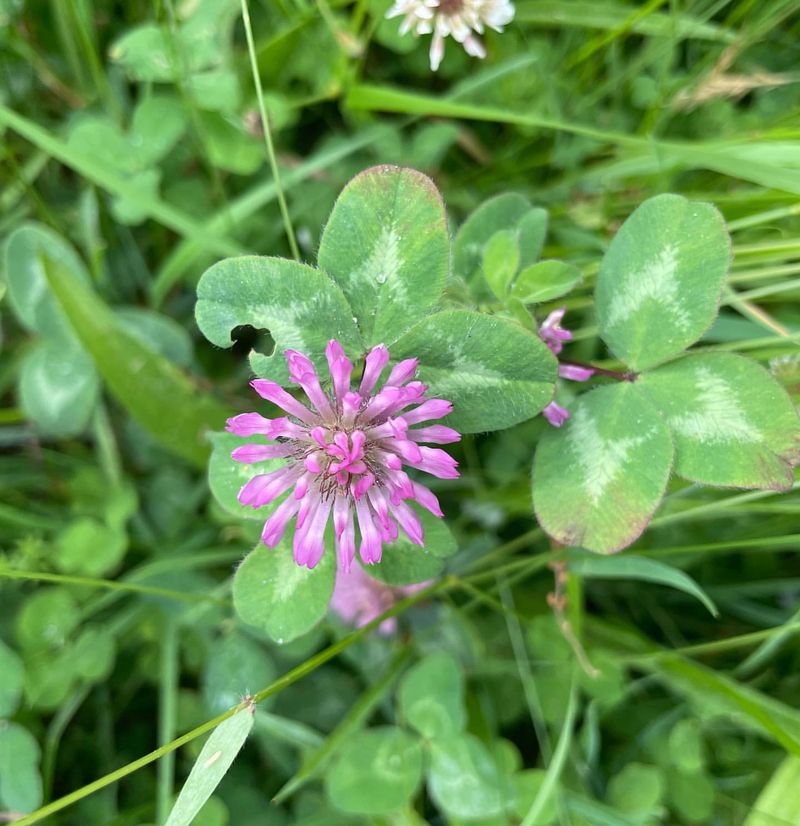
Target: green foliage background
point(130, 134)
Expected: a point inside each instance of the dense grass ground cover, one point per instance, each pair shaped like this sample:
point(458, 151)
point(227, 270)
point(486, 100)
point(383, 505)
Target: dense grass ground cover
point(529, 683)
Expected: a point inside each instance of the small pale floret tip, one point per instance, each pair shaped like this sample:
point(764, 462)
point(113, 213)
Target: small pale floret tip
point(463, 20)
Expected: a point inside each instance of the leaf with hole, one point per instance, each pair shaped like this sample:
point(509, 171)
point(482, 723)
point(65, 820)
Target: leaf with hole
point(299, 305)
point(661, 279)
point(598, 479)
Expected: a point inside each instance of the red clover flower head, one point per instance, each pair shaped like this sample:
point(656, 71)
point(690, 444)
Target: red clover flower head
point(345, 456)
point(358, 598)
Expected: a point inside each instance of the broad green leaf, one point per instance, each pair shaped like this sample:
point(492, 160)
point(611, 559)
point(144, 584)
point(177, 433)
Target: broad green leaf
point(531, 232)
point(386, 245)
point(545, 281)
point(235, 667)
point(11, 681)
point(87, 546)
point(279, 597)
point(498, 213)
point(28, 291)
point(58, 387)
point(500, 261)
point(226, 477)
point(217, 90)
point(155, 393)
point(47, 619)
point(404, 563)
point(213, 762)
point(733, 424)
point(101, 137)
point(20, 783)
point(463, 778)
point(92, 655)
point(431, 697)
point(495, 373)
point(691, 794)
point(130, 210)
point(157, 125)
point(778, 801)
point(144, 54)
point(528, 785)
point(685, 745)
point(637, 789)
point(598, 478)
point(661, 279)
point(378, 771)
point(229, 147)
point(640, 568)
point(714, 694)
point(300, 306)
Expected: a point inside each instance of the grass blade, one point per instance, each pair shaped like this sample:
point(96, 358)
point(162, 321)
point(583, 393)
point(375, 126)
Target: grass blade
point(212, 764)
point(637, 567)
point(143, 381)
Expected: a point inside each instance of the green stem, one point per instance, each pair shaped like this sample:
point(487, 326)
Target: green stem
point(731, 643)
point(110, 584)
point(167, 715)
point(287, 221)
point(352, 721)
point(107, 451)
point(55, 730)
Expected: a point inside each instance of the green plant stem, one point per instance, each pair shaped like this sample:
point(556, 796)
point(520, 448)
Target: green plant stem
point(556, 766)
point(167, 715)
point(287, 221)
point(110, 584)
point(718, 646)
point(108, 453)
point(55, 730)
point(286, 680)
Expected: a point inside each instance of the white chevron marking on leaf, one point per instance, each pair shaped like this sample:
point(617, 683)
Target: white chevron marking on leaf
point(719, 416)
point(600, 459)
point(655, 282)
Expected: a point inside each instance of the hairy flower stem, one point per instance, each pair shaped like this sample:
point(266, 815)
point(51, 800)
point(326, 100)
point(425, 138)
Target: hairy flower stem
point(558, 601)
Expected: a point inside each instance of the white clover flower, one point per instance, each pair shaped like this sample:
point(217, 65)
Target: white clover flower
point(462, 19)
